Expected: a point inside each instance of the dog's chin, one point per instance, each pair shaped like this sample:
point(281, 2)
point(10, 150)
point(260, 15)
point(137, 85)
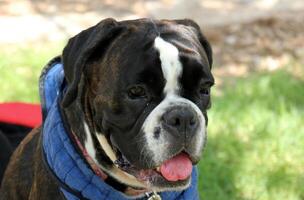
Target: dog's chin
point(156, 182)
point(153, 178)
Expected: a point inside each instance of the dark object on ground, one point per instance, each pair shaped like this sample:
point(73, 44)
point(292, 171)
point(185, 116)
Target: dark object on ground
point(16, 121)
point(5, 153)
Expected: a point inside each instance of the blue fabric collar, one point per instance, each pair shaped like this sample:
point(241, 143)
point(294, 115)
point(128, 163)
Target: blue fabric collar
point(63, 159)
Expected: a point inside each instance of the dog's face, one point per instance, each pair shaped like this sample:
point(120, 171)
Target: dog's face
point(146, 92)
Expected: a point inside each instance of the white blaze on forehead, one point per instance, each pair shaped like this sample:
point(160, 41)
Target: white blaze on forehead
point(171, 66)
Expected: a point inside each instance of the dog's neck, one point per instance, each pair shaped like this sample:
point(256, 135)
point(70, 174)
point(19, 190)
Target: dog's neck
point(130, 191)
point(76, 117)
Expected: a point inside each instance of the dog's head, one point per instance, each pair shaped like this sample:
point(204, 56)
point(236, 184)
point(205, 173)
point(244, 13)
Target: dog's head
point(143, 88)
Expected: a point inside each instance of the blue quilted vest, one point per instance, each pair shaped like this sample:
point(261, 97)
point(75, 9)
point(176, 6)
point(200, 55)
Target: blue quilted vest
point(74, 176)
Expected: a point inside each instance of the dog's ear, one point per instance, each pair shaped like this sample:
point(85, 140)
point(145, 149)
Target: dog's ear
point(79, 50)
point(204, 42)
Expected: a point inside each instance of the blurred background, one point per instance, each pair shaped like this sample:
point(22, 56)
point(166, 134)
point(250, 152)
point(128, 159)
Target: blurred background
point(255, 148)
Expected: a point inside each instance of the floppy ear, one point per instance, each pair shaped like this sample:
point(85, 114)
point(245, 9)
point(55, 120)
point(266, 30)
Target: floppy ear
point(201, 37)
point(79, 49)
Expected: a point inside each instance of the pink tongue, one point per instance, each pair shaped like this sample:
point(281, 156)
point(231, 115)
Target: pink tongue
point(177, 168)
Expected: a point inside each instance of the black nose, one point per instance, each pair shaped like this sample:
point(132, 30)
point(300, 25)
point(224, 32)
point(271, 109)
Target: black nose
point(181, 120)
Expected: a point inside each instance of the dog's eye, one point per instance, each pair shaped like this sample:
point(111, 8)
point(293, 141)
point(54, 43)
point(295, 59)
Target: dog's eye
point(137, 91)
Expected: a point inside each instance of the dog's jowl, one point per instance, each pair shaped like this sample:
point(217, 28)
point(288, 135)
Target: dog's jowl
point(124, 116)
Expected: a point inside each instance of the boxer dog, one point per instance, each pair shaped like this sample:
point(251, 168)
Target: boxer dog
point(134, 102)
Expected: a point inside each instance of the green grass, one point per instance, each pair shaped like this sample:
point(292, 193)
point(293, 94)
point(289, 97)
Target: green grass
point(255, 148)
point(20, 68)
point(256, 140)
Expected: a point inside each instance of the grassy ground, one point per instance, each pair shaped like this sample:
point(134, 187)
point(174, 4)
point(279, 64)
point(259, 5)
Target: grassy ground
point(256, 131)
point(256, 139)
point(20, 69)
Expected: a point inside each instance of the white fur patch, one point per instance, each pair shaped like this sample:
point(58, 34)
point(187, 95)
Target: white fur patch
point(159, 146)
point(106, 147)
point(172, 70)
point(88, 144)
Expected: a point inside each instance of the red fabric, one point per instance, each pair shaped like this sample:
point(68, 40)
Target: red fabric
point(24, 114)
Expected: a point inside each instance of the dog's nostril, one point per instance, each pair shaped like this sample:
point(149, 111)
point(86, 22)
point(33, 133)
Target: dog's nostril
point(177, 122)
point(156, 132)
point(192, 121)
point(173, 121)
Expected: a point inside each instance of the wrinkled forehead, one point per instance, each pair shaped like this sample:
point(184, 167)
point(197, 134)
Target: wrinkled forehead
point(185, 40)
point(183, 37)
point(139, 43)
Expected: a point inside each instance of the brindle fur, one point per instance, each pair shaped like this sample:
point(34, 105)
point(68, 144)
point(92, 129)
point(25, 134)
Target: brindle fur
point(26, 176)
